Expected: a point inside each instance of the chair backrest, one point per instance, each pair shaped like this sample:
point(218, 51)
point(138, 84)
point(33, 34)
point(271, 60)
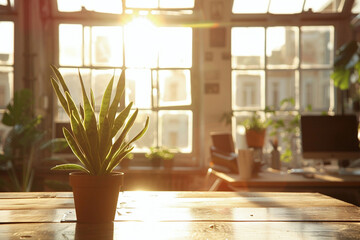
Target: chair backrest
point(223, 142)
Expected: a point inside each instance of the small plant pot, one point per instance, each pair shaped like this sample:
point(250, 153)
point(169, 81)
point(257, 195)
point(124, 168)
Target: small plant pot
point(168, 163)
point(96, 196)
point(255, 138)
point(156, 162)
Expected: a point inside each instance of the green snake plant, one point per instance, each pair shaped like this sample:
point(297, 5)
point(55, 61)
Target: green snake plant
point(93, 141)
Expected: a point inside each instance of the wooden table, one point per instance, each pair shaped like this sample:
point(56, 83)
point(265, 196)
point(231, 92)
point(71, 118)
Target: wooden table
point(183, 215)
point(344, 187)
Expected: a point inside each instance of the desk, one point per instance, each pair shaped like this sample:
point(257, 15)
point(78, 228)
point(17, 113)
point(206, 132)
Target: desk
point(184, 215)
point(343, 187)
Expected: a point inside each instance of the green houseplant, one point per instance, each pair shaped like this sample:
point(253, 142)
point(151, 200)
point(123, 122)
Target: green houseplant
point(288, 126)
point(95, 183)
point(23, 145)
point(255, 130)
point(346, 73)
point(159, 154)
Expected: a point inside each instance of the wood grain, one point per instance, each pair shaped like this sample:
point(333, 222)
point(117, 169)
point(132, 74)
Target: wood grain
point(184, 215)
point(182, 230)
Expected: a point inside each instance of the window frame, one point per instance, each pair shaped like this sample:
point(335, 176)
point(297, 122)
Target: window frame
point(336, 20)
point(191, 159)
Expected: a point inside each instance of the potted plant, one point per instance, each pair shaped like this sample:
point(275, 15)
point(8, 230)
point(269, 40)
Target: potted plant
point(288, 126)
point(255, 130)
point(95, 184)
point(157, 155)
point(346, 73)
point(23, 143)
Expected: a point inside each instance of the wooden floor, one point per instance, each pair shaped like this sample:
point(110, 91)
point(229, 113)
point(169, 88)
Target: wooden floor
point(183, 215)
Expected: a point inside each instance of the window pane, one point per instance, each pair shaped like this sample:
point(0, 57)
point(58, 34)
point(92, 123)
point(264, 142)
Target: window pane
point(286, 6)
point(141, 3)
point(6, 85)
point(356, 7)
point(70, 44)
point(175, 48)
point(141, 44)
point(246, 91)
point(69, 5)
point(7, 43)
point(282, 47)
point(317, 46)
point(176, 130)
point(149, 138)
point(315, 89)
point(247, 47)
point(174, 87)
point(323, 6)
point(253, 6)
point(107, 46)
point(280, 85)
point(106, 6)
point(177, 3)
point(138, 88)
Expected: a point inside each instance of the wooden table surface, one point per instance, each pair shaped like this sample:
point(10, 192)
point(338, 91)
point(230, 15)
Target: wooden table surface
point(183, 215)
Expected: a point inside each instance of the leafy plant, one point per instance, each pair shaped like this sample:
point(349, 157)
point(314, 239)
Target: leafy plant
point(159, 152)
point(93, 142)
point(23, 145)
point(346, 65)
point(255, 123)
point(288, 125)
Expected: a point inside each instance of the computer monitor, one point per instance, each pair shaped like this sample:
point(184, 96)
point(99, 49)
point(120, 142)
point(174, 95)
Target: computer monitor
point(330, 137)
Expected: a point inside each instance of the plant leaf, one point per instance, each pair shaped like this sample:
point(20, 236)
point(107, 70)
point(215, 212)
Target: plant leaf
point(70, 166)
point(105, 138)
point(90, 127)
point(56, 144)
point(75, 149)
point(105, 103)
point(116, 160)
point(341, 77)
point(92, 99)
point(60, 95)
point(72, 107)
point(115, 104)
point(81, 139)
point(82, 112)
point(60, 78)
point(141, 133)
point(125, 131)
point(120, 119)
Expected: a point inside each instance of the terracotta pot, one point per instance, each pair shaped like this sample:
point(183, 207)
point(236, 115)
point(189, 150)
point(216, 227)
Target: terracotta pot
point(156, 162)
point(255, 138)
point(96, 196)
point(168, 163)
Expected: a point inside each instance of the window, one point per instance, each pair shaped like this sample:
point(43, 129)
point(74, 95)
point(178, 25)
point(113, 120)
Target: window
point(6, 63)
point(157, 60)
point(270, 64)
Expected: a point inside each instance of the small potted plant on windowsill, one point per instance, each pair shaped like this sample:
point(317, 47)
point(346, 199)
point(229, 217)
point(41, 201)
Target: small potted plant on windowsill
point(95, 184)
point(255, 129)
point(159, 155)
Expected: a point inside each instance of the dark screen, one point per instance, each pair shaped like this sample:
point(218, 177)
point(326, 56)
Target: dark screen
point(329, 133)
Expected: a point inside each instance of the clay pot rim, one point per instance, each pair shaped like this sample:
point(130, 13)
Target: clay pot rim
point(112, 174)
point(81, 179)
